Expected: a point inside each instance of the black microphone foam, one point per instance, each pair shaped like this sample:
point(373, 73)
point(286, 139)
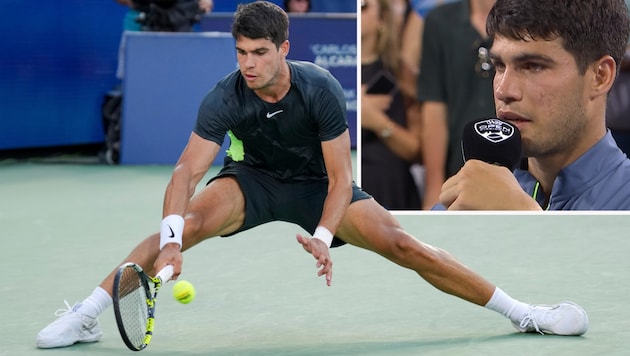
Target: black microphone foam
point(493, 141)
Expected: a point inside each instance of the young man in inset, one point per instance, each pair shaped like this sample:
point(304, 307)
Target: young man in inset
point(554, 69)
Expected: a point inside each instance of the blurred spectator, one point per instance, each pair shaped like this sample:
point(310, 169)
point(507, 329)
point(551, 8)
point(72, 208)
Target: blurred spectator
point(206, 6)
point(137, 18)
point(411, 28)
point(618, 108)
point(410, 50)
point(454, 86)
point(389, 142)
point(423, 7)
point(297, 6)
point(171, 15)
point(400, 10)
point(129, 21)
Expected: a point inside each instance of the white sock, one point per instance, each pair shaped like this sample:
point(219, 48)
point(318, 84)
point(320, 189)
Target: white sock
point(94, 305)
point(507, 306)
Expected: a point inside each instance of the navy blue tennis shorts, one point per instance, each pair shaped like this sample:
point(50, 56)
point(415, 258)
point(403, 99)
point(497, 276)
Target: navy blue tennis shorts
point(268, 199)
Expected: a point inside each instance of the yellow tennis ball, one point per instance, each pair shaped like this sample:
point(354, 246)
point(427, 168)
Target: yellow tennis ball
point(183, 292)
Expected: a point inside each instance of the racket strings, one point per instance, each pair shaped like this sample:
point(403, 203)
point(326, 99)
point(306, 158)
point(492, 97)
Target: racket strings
point(133, 306)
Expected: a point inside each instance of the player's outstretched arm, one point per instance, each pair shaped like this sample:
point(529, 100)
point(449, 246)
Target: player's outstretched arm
point(338, 162)
point(320, 251)
point(191, 167)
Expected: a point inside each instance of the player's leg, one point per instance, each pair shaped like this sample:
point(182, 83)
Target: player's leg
point(217, 209)
point(370, 226)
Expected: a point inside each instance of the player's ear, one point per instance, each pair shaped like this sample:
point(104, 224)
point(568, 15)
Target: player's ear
point(284, 48)
point(604, 72)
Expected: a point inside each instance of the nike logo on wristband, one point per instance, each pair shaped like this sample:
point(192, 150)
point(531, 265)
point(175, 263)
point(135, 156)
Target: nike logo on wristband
point(172, 233)
point(272, 114)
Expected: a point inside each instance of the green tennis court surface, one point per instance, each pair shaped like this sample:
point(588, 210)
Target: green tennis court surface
point(65, 226)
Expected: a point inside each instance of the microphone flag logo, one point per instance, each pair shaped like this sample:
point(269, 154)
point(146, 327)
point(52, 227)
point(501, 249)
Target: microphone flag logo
point(494, 130)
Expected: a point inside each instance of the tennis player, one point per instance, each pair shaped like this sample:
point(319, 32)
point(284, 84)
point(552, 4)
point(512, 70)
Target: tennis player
point(290, 161)
point(554, 69)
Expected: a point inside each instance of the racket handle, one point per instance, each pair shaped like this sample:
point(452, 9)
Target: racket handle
point(165, 274)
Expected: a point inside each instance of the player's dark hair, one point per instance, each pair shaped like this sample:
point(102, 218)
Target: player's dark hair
point(589, 29)
point(261, 19)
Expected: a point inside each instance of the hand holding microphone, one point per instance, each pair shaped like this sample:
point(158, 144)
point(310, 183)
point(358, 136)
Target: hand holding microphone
point(488, 146)
point(492, 141)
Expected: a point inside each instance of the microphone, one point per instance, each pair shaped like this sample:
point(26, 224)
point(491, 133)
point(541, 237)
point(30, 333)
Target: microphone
point(493, 141)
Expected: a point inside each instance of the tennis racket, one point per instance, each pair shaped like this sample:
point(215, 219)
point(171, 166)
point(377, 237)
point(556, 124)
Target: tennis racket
point(134, 303)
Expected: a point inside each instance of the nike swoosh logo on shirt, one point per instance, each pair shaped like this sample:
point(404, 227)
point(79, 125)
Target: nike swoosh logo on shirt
point(272, 114)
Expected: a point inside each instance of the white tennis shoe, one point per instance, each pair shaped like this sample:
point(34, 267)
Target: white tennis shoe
point(565, 318)
point(69, 328)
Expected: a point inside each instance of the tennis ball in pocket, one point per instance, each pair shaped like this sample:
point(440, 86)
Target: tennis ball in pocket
point(183, 292)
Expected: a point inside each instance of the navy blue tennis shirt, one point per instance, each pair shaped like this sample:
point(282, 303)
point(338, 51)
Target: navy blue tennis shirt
point(282, 138)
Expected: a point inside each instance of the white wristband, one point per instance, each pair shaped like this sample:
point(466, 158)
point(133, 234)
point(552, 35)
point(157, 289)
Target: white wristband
point(323, 234)
point(171, 230)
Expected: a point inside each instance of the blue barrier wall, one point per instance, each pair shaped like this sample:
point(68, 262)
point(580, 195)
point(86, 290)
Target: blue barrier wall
point(57, 60)
point(166, 77)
